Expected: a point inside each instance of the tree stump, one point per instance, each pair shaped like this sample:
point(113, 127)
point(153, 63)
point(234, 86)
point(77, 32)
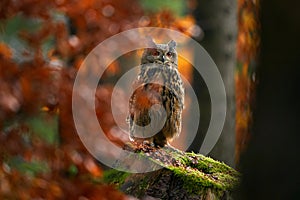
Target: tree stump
point(182, 176)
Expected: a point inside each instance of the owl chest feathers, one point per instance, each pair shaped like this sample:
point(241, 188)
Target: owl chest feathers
point(164, 76)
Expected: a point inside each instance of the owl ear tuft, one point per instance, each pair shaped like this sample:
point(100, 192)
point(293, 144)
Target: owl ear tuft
point(150, 42)
point(172, 44)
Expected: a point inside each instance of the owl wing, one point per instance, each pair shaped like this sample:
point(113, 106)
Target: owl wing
point(140, 104)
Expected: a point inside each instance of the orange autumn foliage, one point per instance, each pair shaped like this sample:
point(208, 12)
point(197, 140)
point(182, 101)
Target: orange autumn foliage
point(248, 42)
point(38, 86)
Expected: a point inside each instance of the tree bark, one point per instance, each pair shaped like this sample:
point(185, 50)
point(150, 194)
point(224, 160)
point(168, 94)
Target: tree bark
point(218, 21)
point(182, 176)
point(270, 165)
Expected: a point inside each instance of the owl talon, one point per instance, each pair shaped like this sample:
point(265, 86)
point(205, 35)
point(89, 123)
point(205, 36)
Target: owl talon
point(152, 144)
point(148, 143)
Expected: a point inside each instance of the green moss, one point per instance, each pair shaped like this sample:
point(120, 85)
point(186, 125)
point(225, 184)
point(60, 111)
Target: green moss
point(143, 185)
point(115, 177)
point(199, 173)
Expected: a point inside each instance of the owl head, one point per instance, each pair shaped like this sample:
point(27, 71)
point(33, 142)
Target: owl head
point(160, 53)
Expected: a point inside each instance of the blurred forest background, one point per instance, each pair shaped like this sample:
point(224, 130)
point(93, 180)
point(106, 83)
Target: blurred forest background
point(43, 43)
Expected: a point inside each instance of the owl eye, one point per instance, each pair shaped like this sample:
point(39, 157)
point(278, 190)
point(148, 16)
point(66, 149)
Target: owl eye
point(169, 54)
point(155, 53)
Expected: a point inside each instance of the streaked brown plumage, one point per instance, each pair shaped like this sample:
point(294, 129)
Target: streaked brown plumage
point(158, 85)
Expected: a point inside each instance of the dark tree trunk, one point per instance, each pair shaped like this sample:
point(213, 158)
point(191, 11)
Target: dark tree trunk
point(219, 23)
point(270, 166)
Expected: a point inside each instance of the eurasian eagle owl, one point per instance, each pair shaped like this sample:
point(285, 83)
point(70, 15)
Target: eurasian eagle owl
point(157, 102)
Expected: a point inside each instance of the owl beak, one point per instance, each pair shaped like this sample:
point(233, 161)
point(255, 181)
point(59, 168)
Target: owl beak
point(163, 59)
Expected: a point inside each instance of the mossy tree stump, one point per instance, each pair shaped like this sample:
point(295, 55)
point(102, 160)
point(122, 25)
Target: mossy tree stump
point(182, 176)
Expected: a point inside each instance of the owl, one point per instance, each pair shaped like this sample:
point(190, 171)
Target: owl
point(155, 107)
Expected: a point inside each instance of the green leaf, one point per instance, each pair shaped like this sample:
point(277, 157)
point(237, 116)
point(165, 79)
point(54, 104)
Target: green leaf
point(45, 126)
point(178, 7)
point(31, 168)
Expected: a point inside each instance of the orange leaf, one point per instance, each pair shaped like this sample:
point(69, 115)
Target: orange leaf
point(5, 51)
